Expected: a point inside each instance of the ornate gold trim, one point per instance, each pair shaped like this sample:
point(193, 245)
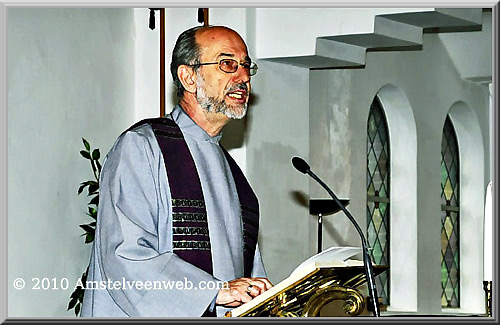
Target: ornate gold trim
point(354, 304)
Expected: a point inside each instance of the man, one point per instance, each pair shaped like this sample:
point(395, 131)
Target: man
point(174, 207)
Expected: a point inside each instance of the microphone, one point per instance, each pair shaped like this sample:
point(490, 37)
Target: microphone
point(302, 166)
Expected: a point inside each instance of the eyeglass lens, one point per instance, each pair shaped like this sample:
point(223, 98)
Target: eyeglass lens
point(231, 66)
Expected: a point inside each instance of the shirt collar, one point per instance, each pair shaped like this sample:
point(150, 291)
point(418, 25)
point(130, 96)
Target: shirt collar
point(190, 128)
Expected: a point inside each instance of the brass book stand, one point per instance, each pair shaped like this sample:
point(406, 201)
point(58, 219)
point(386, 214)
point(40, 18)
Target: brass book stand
point(304, 293)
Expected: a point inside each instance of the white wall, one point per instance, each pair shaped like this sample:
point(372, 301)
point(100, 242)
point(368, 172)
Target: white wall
point(278, 128)
point(70, 75)
point(339, 102)
point(403, 193)
point(293, 31)
point(146, 65)
point(473, 55)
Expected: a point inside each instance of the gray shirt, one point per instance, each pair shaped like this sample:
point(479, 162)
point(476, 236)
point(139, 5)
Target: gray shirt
point(133, 239)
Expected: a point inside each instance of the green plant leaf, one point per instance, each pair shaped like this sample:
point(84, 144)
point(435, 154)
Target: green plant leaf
point(92, 213)
point(75, 293)
point(85, 154)
point(95, 200)
point(72, 303)
point(89, 238)
point(77, 309)
point(80, 296)
point(93, 188)
point(93, 216)
point(87, 228)
point(96, 154)
point(86, 144)
point(81, 188)
point(84, 275)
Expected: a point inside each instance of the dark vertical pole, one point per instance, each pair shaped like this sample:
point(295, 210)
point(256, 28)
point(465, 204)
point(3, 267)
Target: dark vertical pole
point(162, 62)
point(205, 16)
point(320, 232)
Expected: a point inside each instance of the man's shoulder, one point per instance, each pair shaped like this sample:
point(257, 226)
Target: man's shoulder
point(136, 132)
point(139, 135)
point(149, 122)
point(133, 144)
point(143, 135)
point(146, 126)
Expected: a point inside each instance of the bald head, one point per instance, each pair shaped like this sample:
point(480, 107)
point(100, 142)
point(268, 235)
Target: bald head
point(216, 34)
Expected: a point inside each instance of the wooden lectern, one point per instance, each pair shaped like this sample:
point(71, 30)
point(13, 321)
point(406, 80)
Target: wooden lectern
point(307, 290)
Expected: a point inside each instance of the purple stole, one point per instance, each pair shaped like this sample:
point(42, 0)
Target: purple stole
point(191, 240)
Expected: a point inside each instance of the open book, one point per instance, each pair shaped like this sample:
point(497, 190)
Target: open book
point(305, 274)
point(335, 256)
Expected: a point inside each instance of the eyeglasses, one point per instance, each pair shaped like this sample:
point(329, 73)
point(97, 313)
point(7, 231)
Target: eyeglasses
point(231, 66)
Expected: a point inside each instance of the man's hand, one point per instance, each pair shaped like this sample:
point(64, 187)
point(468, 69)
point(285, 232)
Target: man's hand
point(241, 290)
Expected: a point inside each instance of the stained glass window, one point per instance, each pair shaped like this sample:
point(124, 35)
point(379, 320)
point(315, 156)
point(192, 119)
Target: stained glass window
point(378, 176)
point(450, 215)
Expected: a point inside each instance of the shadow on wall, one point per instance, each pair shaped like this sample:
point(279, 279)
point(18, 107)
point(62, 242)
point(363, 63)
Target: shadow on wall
point(300, 198)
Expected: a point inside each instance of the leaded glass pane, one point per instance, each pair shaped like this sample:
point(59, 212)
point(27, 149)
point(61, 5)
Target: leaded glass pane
point(378, 164)
point(450, 215)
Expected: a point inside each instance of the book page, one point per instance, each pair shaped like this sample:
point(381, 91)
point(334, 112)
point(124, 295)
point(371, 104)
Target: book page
point(331, 254)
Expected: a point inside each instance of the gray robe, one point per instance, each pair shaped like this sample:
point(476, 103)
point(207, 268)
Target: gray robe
point(133, 239)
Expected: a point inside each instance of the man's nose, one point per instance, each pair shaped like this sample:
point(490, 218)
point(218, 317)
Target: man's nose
point(241, 75)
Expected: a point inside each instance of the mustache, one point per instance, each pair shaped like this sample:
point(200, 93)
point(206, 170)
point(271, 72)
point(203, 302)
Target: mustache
point(241, 86)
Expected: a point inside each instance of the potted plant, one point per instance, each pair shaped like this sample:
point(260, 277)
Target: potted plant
point(92, 186)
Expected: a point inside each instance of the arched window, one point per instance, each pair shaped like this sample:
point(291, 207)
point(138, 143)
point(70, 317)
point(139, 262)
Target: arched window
point(450, 215)
point(378, 198)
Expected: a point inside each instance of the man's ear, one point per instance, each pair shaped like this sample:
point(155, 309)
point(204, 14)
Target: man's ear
point(187, 77)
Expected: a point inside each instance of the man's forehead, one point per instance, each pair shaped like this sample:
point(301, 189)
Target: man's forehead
point(220, 40)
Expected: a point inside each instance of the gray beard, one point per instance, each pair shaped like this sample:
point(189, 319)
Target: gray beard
point(212, 104)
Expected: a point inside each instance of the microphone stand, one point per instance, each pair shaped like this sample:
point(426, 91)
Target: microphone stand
point(366, 255)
